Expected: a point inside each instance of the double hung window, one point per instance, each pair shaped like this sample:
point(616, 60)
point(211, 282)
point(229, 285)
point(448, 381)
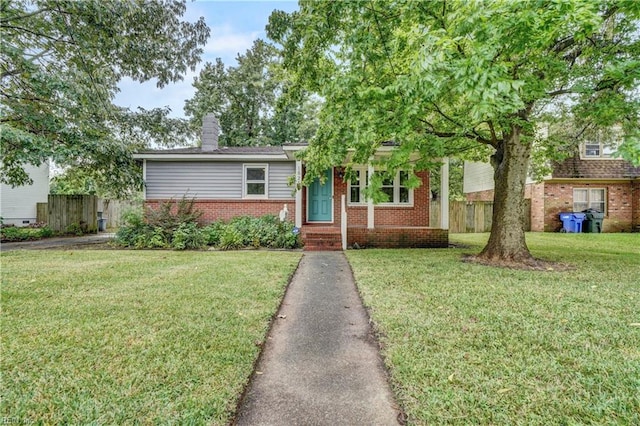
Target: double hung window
point(255, 181)
point(589, 198)
point(394, 188)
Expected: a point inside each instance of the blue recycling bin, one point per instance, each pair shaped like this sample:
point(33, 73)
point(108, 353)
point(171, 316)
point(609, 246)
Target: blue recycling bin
point(572, 222)
point(568, 223)
point(578, 218)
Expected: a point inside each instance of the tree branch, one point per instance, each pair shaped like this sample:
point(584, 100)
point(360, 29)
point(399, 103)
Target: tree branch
point(446, 117)
point(560, 92)
point(384, 44)
point(28, 15)
point(473, 136)
point(494, 139)
point(27, 98)
point(26, 30)
point(563, 44)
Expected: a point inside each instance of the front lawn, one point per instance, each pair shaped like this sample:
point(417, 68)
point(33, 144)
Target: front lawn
point(471, 344)
point(124, 337)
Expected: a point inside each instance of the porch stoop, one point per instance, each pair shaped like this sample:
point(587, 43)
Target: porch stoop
point(319, 238)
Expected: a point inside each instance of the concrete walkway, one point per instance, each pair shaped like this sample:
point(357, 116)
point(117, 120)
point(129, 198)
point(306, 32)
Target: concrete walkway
point(320, 365)
point(55, 243)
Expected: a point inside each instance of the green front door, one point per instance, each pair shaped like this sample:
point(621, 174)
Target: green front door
point(320, 203)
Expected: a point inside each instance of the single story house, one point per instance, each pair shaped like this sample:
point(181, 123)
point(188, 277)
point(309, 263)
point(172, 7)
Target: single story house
point(590, 179)
point(226, 182)
point(18, 205)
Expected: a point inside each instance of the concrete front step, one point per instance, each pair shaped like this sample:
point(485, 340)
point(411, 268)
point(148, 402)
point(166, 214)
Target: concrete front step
point(322, 238)
point(321, 245)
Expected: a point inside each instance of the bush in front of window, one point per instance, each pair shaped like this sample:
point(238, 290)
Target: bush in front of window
point(240, 232)
point(266, 231)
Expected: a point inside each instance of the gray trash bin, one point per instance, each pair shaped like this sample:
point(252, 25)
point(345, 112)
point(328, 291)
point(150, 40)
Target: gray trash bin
point(593, 222)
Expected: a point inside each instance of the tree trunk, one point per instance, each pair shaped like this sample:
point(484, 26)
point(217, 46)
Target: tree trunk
point(507, 239)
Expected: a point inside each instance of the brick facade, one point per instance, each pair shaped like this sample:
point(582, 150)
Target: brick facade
point(619, 179)
point(558, 197)
point(635, 203)
point(486, 195)
point(416, 215)
point(394, 226)
point(227, 209)
point(398, 237)
point(535, 192)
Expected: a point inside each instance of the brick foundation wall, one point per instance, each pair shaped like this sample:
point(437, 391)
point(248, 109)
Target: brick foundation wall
point(227, 209)
point(635, 201)
point(535, 192)
point(486, 195)
point(559, 198)
point(418, 215)
point(398, 237)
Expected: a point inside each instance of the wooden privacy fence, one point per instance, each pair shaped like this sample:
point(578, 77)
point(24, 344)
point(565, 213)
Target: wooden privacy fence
point(470, 217)
point(42, 213)
point(111, 210)
point(70, 213)
point(114, 210)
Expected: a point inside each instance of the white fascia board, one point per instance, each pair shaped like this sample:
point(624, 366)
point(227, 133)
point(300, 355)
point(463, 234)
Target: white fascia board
point(200, 157)
point(291, 150)
point(381, 151)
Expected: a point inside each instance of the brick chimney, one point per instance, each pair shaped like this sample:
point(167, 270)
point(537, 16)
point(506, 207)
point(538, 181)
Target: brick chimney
point(210, 132)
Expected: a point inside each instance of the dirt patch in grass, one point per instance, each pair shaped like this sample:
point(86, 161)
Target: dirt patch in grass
point(532, 265)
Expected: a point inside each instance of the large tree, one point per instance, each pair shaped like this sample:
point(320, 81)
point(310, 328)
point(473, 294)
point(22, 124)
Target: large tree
point(440, 77)
point(252, 100)
point(60, 65)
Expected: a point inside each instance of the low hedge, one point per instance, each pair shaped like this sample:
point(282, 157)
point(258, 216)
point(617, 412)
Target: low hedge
point(14, 233)
point(245, 231)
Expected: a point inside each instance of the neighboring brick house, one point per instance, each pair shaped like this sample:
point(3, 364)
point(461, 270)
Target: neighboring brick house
point(234, 181)
point(592, 178)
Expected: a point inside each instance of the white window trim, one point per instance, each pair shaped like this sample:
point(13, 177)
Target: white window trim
point(362, 172)
point(589, 189)
point(396, 192)
point(246, 166)
point(602, 156)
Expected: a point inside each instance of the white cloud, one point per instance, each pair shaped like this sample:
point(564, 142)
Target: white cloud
point(234, 27)
point(226, 43)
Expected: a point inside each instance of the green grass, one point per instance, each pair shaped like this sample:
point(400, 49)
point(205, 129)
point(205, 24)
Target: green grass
point(471, 344)
point(131, 337)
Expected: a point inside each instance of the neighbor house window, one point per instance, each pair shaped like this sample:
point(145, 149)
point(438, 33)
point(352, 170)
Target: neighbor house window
point(589, 198)
point(600, 145)
point(255, 181)
point(394, 187)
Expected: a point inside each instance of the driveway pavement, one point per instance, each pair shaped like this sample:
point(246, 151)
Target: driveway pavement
point(55, 243)
point(320, 365)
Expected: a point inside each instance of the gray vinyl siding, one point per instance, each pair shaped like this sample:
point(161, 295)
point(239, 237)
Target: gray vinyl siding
point(279, 178)
point(210, 180)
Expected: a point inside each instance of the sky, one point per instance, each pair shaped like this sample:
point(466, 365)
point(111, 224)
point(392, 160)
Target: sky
point(234, 26)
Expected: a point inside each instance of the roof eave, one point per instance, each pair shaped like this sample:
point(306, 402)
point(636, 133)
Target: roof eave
point(217, 157)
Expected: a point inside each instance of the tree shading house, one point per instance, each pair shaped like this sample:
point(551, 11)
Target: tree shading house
point(331, 213)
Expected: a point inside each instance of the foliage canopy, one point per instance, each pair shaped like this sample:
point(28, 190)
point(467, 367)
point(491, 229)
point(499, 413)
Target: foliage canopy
point(60, 64)
point(444, 77)
point(253, 100)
